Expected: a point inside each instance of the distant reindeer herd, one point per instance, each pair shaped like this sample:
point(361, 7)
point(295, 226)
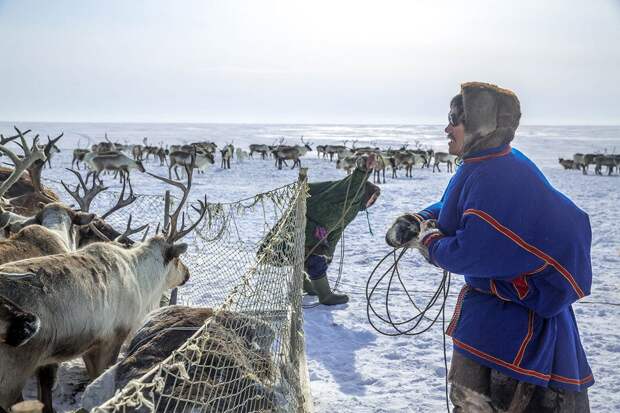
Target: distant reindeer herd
point(582, 162)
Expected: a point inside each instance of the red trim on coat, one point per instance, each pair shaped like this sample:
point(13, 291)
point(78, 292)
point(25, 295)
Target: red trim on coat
point(457, 310)
point(490, 156)
point(567, 380)
point(520, 370)
point(526, 340)
point(528, 247)
point(426, 241)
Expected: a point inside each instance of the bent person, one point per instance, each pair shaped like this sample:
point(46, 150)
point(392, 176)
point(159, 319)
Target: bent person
point(331, 206)
point(524, 249)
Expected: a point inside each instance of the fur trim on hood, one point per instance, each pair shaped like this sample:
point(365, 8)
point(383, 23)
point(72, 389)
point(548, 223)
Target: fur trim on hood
point(492, 116)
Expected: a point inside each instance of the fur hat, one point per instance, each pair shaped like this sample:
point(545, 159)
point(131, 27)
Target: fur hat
point(492, 116)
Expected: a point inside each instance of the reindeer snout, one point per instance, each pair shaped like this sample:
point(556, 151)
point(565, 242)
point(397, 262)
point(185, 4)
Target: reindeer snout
point(185, 278)
point(22, 329)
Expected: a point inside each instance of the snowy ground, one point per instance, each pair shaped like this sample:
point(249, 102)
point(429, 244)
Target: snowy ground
point(352, 367)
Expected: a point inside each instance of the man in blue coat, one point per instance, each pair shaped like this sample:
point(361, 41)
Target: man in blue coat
point(524, 249)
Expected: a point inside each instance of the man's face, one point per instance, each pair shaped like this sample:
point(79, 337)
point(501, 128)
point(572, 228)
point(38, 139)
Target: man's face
point(455, 131)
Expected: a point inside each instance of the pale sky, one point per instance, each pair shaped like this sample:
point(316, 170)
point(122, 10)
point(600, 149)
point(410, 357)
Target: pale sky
point(313, 61)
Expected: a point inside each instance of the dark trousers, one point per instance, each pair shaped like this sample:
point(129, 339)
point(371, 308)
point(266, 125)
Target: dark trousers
point(479, 389)
point(316, 266)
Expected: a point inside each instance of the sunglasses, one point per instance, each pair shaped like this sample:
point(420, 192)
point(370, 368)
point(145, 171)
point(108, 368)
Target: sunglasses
point(455, 119)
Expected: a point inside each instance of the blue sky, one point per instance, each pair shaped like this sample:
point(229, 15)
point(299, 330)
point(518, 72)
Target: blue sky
point(337, 61)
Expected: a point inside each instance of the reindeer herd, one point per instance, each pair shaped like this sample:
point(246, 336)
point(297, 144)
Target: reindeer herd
point(110, 157)
point(582, 162)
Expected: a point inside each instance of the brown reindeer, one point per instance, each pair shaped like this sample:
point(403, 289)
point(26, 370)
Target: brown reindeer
point(27, 202)
point(284, 153)
point(567, 163)
point(236, 342)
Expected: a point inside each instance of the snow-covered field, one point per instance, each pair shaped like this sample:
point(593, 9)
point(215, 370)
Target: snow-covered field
point(352, 367)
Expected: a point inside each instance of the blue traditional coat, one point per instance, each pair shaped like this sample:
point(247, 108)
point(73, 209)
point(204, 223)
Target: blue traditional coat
point(524, 249)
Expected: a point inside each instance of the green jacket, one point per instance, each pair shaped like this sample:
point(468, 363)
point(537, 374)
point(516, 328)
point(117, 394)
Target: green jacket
point(333, 205)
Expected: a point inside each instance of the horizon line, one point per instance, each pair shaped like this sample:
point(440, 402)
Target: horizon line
point(288, 123)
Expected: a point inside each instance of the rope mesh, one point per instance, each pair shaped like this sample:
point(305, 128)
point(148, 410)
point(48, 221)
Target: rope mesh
point(246, 262)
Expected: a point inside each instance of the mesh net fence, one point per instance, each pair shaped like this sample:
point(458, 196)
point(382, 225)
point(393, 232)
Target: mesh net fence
point(246, 262)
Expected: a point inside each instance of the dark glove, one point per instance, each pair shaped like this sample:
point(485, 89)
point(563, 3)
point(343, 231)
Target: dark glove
point(405, 229)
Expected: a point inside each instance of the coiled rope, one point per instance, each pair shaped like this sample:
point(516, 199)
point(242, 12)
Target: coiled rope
point(413, 326)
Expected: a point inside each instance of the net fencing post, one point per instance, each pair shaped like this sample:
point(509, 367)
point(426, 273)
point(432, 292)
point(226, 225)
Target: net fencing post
point(167, 200)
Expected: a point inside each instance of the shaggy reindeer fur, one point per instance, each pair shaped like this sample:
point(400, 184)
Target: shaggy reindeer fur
point(16, 325)
point(22, 197)
point(492, 116)
point(59, 221)
point(88, 302)
point(168, 328)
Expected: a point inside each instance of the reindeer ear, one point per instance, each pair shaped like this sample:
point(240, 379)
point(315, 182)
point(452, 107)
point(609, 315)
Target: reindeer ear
point(175, 251)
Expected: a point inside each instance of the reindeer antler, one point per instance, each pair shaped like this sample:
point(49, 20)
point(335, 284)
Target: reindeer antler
point(4, 141)
point(30, 156)
point(130, 231)
point(173, 233)
point(89, 194)
point(122, 201)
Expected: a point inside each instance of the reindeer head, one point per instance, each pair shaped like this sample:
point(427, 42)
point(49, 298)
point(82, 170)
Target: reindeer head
point(54, 212)
point(176, 272)
point(140, 166)
point(17, 326)
point(208, 156)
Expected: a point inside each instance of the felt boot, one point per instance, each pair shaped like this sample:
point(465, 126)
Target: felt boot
point(326, 297)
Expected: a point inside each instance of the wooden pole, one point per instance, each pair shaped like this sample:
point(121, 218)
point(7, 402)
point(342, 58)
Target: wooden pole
point(167, 204)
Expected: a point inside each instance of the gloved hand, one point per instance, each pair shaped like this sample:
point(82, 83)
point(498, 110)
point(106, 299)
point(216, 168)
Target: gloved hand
point(404, 230)
point(428, 231)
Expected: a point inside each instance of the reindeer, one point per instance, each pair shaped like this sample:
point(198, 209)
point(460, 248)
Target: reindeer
point(88, 301)
point(348, 164)
point(117, 162)
point(194, 159)
point(567, 163)
point(340, 150)
point(241, 154)
point(247, 341)
point(227, 154)
point(27, 202)
point(262, 149)
point(207, 146)
point(445, 158)
point(378, 168)
point(161, 154)
point(17, 326)
point(284, 153)
point(320, 150)
point(582, 161)
point(51, 150)
point(610, 161)
point(137, 152)
point(78, 156)
point(52, 231)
